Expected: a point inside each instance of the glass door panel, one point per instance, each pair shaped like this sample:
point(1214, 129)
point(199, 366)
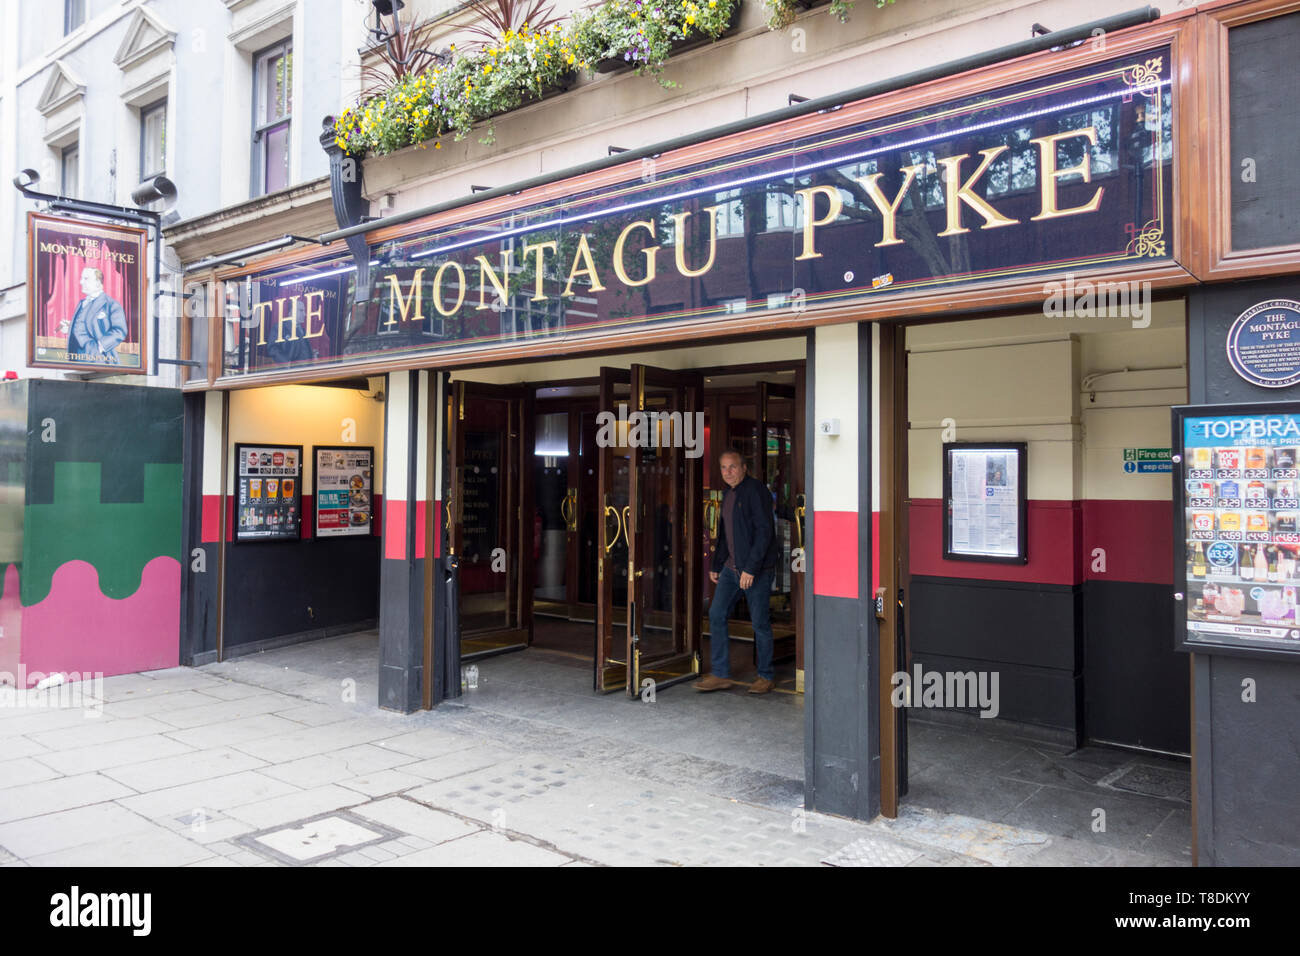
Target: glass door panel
point(663, 634)
point(613, 507)
point(490, 428)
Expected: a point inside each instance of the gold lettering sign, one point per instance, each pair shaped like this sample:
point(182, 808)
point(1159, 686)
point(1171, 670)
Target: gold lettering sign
point(1051, 175)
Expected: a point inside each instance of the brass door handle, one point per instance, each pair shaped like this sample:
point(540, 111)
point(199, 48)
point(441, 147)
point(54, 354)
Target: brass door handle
point(611, 510)
point(800, 512)
point(569, 509)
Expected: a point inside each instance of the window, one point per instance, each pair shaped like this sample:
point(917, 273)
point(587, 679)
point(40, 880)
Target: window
point(731, 217)
point(68, 171)
point(74, 15)
point(153, 140)
point(272, 96)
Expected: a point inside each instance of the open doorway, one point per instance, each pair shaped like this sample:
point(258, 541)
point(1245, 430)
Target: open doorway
point(584, 513)
point(1040, 682)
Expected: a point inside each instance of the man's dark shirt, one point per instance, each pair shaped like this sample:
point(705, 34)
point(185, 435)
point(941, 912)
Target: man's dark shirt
point(748, 541)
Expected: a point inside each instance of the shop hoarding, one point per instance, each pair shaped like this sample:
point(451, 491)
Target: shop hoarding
point(343, 481)
point(1236, 537)
point(87, 298)
point(1049, 175)
point(268, 492)
point(985, 503)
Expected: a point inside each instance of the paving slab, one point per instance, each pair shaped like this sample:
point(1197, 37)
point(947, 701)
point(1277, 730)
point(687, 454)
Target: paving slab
point(52, 832)
point(156, 847)
point(213, 793)
point(295, 806)
point(224, 711)
point(14, 773)
point(62, 793)
point(383, 783)
point(231, 732)
point(118, 753)
point(414, 819)
point(481, 849)
point(186, 768)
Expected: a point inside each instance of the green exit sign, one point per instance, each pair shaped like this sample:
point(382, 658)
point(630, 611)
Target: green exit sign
point(1147, 454)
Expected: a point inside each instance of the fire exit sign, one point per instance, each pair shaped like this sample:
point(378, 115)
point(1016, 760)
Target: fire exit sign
point(1148, 461)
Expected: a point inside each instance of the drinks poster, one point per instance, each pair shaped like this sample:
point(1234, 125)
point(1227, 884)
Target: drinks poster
point(269, 492)
point(344, 480)
point(984, 488)
point(86, 309)
point(1240, 540)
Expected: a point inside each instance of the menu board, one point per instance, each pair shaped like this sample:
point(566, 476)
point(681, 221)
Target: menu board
point(269, 492)
point(984, 491)
point(344, 480)
point(1237, 548)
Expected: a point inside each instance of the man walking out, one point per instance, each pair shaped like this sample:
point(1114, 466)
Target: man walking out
point(743, 561)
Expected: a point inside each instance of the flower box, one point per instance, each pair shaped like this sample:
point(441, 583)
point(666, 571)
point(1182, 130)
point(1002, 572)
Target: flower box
point(616, 64)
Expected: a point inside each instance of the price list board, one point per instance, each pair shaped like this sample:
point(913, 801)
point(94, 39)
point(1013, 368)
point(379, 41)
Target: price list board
point(343, 479)
point(1237, 544)
point(268, 490)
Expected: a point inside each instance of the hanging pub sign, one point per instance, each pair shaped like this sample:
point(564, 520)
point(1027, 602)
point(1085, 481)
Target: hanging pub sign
point(1237, 527)
point(86, 303)
point(984, 494)
point(1043, 177)
point(343, 477)
point(1264, 344)
point(269, 492)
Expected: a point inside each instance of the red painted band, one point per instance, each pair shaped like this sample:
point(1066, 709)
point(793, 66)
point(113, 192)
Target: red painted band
point(835, 553)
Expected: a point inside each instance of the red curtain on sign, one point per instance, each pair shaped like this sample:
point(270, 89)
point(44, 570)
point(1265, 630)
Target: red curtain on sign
point(62, 287)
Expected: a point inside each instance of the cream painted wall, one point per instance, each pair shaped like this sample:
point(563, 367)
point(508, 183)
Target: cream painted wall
point(305, 415)
point(835, 395)
point(707, 356)
point(1078, 391)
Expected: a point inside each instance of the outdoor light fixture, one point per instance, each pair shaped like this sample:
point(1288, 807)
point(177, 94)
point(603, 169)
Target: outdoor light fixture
point(390, 8)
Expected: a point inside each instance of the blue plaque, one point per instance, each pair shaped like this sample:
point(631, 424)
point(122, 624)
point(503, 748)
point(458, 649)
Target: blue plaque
point(1264, 344)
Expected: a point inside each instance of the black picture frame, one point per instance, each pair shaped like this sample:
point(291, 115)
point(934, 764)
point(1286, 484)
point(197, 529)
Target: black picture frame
point(369, 527)
point(1180, 593)
point(287, 532)
point(1021, 451)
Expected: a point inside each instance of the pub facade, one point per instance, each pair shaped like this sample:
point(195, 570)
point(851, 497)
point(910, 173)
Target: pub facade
point(939, 314)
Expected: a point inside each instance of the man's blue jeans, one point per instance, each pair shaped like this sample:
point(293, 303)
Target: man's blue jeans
point(725, 594)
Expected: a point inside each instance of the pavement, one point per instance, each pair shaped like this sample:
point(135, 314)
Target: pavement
point(283, 759)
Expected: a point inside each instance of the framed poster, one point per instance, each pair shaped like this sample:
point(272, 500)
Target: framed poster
point(984, 495)
point(1236, 532)
point(87, 304)
point(344, 482)
point(268, 492)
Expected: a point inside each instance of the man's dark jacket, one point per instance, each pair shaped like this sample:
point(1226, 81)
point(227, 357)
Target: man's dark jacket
point(757, 548)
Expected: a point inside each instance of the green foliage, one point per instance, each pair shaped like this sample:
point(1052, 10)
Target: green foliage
point(520, 66)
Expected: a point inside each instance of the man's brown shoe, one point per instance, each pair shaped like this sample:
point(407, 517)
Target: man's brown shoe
point(761, 686)
point(710, 682)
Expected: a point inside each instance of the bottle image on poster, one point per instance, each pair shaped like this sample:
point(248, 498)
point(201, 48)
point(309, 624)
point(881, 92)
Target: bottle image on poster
point(1240, 536)
point(344, 479)
point(268, 483)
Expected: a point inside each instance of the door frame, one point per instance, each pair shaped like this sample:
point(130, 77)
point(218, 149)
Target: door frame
point(521, 424)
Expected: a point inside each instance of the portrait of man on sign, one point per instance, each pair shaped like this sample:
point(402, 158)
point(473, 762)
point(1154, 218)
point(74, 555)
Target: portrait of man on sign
point(98, 325)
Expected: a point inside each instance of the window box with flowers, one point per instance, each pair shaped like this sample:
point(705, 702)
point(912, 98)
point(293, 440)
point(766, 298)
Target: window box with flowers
point(781, 13)
point(523, 64)
point(641, 35)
